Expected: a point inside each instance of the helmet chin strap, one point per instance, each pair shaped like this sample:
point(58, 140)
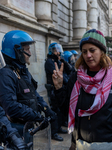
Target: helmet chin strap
point(22, 50)
point(26, 53)
point(20, 54)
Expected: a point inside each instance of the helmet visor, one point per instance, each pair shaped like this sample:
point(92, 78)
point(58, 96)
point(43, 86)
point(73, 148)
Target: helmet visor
point(72, 60)
point(58, 48)
point(27, 43)
point(2, 61)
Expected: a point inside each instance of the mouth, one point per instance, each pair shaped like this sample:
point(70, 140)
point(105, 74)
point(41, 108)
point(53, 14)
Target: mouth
point(89, 60)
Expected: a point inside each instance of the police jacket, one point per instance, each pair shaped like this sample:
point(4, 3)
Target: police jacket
point(49, 67)
point(4, 121)
point(94, 128)
point(18, 95)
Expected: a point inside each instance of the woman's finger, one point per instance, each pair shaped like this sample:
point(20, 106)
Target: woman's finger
point(62, 67)
point(56, 67)
point(54, 76)
point(55, 72)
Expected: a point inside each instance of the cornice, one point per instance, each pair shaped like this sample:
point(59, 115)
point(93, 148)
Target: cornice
point(56, 33)
point(12, 17)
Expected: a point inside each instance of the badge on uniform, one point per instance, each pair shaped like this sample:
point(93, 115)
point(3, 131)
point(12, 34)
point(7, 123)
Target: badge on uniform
point(26, 90)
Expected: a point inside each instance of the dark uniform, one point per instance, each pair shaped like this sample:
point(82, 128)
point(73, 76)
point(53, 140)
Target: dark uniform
point(18, 95)
point(9, 133)
point(6, 122)
point(49, 67)
point(22, 101)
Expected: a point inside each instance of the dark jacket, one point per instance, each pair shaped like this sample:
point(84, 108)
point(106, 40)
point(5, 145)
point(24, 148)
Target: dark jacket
point(6, 122)
point(95, 128)
point(49, 67)
point(17, 91)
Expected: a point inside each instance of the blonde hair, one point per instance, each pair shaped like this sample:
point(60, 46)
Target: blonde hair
point(105, 62)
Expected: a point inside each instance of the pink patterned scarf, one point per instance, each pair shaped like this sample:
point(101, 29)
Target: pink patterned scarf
point(92, 85)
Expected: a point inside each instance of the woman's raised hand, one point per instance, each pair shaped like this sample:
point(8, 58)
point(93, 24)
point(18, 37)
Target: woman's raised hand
point(58, 76)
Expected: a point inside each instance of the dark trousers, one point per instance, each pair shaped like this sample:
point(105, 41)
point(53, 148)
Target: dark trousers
point(56, 125)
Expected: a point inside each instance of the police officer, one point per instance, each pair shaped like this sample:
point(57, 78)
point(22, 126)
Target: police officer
point(69, 67)
point(53, 56)
point(75, 54)
point(69, 57)
point(10, 134)
point(18, 95)
point(7, 133)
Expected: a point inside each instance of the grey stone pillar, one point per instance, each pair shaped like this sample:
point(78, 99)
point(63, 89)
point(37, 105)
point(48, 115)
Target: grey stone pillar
point(43, 12)
point(54, 12)
point(70, 20)
point(92, 16)
point(79, 18)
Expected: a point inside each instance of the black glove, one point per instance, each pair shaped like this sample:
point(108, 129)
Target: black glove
point(43, 121)
point(44, 124)
point(17, 141)
point(39, 118)
point(50, 113)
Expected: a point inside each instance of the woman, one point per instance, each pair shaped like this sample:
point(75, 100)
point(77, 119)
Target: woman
point(88, 95)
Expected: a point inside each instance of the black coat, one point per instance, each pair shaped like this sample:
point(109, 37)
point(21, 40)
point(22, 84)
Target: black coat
point(95, 128)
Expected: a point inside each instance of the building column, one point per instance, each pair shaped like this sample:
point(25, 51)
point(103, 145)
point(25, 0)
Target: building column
point(79, 18)
point(54, 12)
point(70, 20)
point(92, 15)
point(43, 12)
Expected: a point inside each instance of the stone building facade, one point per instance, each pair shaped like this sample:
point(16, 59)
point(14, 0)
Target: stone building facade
point(110, 18)
point(62, 21)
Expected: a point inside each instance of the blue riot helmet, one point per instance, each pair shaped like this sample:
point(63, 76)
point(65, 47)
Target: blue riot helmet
point(74, 52)
point(55, 47)
point(69, 57)
point(12, 44)
point(66, 55)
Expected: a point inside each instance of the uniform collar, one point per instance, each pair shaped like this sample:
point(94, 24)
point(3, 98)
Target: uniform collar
point(55, 57)
point(20, 68)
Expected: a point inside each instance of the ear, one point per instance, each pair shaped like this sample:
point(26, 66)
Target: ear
point(102, 53)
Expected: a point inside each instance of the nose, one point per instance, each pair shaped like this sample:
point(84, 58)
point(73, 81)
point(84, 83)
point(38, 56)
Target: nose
point(88, 54)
